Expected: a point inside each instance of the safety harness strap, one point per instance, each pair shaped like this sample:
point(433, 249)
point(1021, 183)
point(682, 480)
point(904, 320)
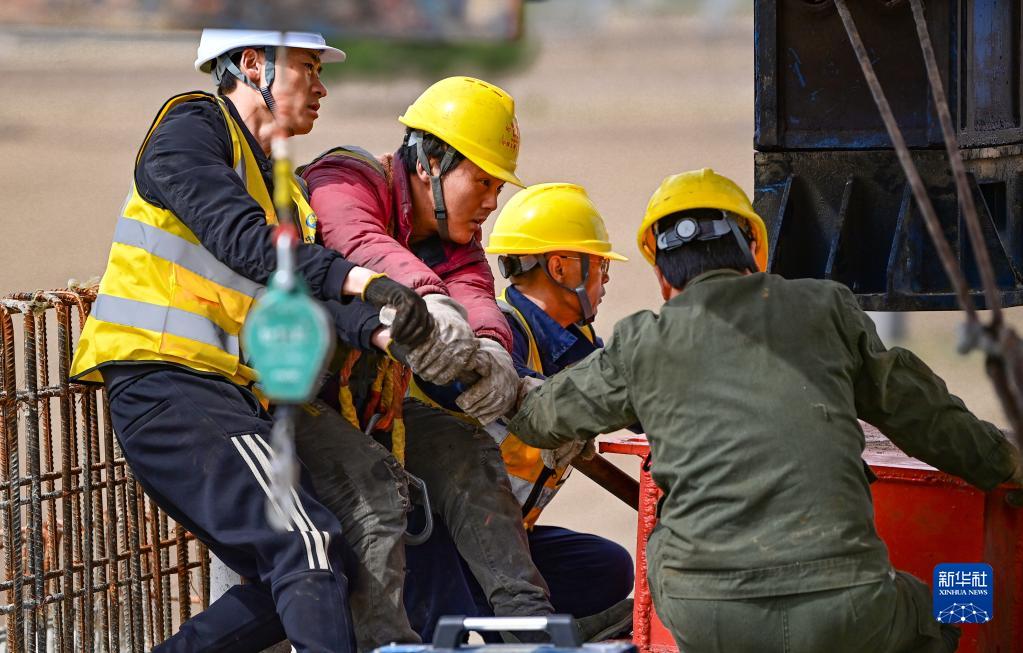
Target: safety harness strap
point(224, 64)
point(440, 211)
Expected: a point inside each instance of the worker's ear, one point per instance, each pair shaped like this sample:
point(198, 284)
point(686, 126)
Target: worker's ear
point(556, 267)
point(666, 288)
point(421, 171)
point(251, 65)
point(753, 251)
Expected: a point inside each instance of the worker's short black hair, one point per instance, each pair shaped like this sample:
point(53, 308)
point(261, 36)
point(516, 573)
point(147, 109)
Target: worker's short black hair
point(434, 148)
point(682, 265)
point(227, 84)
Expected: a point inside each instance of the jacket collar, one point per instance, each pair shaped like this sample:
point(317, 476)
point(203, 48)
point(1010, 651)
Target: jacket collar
point(711, 275)
point(553, 341)
point(265, 165)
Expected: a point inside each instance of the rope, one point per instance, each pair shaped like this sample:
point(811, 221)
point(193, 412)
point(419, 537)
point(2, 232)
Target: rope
point(395, 382)
point(1004, 362)
point(955, 159)
point(945, 253)
point(344, 394)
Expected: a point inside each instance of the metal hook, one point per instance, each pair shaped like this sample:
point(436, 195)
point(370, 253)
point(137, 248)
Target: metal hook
point(418, 484)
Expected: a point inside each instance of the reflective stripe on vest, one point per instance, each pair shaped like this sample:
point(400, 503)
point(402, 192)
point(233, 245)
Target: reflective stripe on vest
point(190, 256)
point(533, 487)
point(164, 297)
point(153, 317)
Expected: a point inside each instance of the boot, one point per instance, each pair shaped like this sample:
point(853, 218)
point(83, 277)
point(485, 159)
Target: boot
point(613, 623)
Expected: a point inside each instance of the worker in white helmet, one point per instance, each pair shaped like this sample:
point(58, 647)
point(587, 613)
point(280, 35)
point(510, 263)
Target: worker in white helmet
point(192, 249)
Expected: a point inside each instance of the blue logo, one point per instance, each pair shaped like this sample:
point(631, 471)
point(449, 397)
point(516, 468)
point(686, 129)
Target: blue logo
point(964, 593)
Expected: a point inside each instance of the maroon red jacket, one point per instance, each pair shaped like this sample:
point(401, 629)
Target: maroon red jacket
point(365, 212)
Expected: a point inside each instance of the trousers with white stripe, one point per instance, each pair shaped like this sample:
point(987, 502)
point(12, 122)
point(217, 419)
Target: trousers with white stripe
point(199, 446)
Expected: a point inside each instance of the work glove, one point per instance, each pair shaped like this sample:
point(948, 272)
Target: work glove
point(450, 348)
point(497, 391)
point(412, 324)
point(564, 455)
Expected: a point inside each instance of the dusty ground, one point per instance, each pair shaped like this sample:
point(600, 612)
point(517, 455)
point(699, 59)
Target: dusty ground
point(615, 107)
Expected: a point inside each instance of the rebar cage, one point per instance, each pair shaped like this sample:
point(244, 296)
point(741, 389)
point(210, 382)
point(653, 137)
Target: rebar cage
point(89, 562)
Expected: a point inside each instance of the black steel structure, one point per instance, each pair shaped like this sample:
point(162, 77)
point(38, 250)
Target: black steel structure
point(828, 184)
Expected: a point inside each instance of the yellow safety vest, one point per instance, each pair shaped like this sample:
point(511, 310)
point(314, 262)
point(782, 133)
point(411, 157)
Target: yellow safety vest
point(534, 485)
point(164, 297)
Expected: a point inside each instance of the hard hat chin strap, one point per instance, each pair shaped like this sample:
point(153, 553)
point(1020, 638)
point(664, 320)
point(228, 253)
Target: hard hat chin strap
point(740, 239)
point(224, 65)
point(586, 309)
point(440, 211)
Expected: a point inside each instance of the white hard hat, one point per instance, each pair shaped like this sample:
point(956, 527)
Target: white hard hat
point(215, 42)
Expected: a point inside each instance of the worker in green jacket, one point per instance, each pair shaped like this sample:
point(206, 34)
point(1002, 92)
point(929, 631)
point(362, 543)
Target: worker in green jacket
point(749, 387)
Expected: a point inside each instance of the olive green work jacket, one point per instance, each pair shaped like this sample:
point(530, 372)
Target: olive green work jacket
point(749, 388)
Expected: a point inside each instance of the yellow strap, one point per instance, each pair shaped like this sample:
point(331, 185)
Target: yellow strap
point(398, 440)
point(533, 362)
point(347, 402)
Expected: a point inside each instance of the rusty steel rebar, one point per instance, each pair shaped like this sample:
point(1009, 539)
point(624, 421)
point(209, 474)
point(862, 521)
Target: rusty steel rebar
point(66, 409)
point(9, 432)
point(36, 635)
point(89, 562)
point(111, 526)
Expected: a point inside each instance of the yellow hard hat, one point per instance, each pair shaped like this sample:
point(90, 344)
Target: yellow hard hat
point(700, 189)
point(548, 218)
point(475, 118)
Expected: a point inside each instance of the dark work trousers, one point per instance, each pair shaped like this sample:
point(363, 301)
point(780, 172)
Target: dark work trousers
point(465, 477)
point(364, 486)
point(199, 446)
point(889, 616)
point(586, 574)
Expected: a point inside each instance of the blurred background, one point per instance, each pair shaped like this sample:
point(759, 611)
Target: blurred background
point(611, 94)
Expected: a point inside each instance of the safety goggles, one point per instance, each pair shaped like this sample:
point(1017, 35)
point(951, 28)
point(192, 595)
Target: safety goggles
point(587, 259)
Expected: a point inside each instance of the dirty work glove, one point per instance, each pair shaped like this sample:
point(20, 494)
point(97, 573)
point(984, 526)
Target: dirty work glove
point(412, 324)
point(564, 455)
point(450, 348)
point(498, 388)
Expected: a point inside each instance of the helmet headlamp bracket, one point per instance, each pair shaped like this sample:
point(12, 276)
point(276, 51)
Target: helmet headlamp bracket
point(512, 265)
point(689, 229)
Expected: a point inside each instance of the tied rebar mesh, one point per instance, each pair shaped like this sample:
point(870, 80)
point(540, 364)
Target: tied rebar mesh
point(89, 562)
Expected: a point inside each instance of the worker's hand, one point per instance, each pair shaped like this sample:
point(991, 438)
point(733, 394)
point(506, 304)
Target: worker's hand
point(564, 455)
point(412, 324)
point(1017, 457)
point(498, 388)
point(1017, 475)
point(450, 348)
